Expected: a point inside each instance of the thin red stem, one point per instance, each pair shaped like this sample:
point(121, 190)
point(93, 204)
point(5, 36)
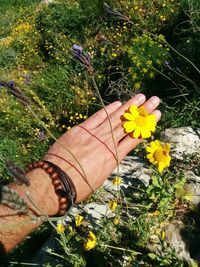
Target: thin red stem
point(67, 162)
point(98, 140)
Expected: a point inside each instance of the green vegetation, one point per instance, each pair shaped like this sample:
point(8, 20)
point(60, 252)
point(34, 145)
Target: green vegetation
point(135, 46)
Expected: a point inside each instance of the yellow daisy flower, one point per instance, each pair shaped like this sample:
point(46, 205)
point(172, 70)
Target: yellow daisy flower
point(117, 180)
point(158, 154)
point(91, 241)
point(112, 205)
point(140, 122)
point(116, 221)
point(79, 220)
point(60, 228)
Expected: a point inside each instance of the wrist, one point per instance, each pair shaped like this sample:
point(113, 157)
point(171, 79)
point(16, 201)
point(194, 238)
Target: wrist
point(81, 186)
point(42, 192)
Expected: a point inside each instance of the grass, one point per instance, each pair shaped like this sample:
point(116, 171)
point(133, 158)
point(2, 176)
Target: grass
point(35, 43)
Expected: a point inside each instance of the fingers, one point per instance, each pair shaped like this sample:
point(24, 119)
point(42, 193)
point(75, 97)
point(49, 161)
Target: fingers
point(115, 117)
point(96, 119)
point(151, 104)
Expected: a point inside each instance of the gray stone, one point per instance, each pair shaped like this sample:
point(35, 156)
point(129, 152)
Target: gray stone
point(192, 187)
point(184, 141)
point(47, 2)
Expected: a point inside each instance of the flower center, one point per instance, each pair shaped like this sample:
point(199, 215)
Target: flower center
point(160, 155)
point(140, 121)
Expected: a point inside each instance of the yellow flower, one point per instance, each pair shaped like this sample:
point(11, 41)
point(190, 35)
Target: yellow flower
point(60, 228)
point(114, 55)
point(140, 122)
point(112, 205)
point(91, 241)
point(134, 76)
point(117, 180)
point(79, 220)
point(162, 235)
point(158, 154)
point(116, 221)
point(137, 86)
point(151, 75)
point(162, 18)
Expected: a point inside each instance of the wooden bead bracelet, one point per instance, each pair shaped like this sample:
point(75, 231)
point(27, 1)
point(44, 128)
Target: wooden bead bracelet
point(62, 183)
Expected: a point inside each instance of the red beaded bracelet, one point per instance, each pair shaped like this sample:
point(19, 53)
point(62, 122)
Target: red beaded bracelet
point(62, 183)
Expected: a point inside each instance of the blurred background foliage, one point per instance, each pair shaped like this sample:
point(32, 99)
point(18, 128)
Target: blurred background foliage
point(135, 46)
point(148, 46)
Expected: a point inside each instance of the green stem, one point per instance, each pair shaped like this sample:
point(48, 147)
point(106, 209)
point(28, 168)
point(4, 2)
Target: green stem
point(122, 249)
point(110, 124)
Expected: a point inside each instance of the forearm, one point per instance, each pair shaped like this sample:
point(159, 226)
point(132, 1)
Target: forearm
point(14, 227)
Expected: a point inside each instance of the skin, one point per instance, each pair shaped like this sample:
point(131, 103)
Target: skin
point(92, 144)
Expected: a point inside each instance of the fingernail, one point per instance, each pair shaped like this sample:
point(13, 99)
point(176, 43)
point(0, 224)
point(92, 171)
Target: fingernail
point(141, 97)
point(118, 103)
point(155, 100)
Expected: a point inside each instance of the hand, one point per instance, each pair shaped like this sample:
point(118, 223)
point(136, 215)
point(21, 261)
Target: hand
point(92, 144)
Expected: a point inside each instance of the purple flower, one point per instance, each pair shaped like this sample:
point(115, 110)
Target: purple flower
point(166, 64)
point(41, 135)
point(12, 83)
point(77, 48)
point(83, 57)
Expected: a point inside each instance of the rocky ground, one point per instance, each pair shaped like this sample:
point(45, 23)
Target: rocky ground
point(185, 142)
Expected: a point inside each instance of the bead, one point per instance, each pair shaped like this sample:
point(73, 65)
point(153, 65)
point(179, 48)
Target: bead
point(40, 163)
point(49, 170)
point(45, 166)
point(30, 166)
point(26, 169)
point(58, 187)
point(62, 200)
point(63, 206)
point(35, 164)
point(61, 212)
point(54, 175)
point(56, 182)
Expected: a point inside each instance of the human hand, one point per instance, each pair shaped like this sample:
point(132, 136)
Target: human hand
point(92, 144)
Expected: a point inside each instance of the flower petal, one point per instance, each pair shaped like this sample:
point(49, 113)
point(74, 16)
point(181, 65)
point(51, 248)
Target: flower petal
point(161, 166)
point(129, 116)
point(136, 133)
point(134, 110)
point(145, 132)
point(129, 126)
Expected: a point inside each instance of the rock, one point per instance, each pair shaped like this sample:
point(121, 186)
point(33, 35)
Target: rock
point(132, 171)
point(47, 2)
point(174, 239)
point(192, 187)
point(185, 141)
point(184, 241)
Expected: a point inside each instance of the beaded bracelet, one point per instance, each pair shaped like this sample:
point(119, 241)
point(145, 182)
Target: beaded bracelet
point(62, 183)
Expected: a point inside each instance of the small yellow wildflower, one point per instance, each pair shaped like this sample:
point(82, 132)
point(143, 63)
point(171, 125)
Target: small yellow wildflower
point(149, 63)
point(114, 55)
point(162, 18)
point(79, 220)
point(117, 180)
point(139, 121)
point(60, 228)
point(158, 154)
point(112, 205)
point(137, 86)
point(151, 75)
point(91, 241)
point(144, 70)
point(134, 76)
point(116, 221)
point(162, 235)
